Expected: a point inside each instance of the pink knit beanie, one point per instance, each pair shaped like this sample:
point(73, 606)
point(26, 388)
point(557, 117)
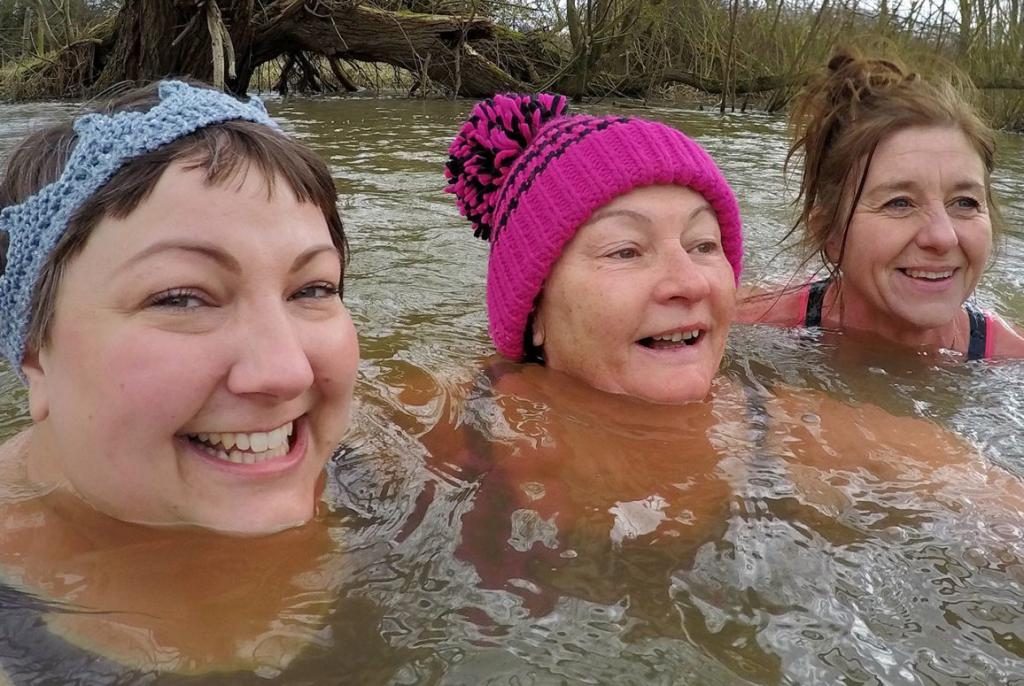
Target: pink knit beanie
point(527, 176)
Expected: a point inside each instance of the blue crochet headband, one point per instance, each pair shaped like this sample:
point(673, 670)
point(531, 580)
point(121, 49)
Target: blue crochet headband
point(104, 144)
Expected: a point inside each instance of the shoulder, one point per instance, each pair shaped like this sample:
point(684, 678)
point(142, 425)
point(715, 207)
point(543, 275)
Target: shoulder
point(1006, 341)
point(776, 307)
point(834, 432)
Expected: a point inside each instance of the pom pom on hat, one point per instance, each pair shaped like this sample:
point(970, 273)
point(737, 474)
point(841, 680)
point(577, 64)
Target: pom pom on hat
point(486, 147)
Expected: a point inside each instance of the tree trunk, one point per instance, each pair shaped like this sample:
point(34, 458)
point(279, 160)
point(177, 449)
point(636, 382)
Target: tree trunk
point(154, 39)
point(415, 42)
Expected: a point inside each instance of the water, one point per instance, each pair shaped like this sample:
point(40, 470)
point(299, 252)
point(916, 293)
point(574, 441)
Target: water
point(486, 524)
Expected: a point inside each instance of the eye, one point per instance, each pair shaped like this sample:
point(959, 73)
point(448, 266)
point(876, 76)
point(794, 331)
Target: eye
point(177, 299)
point(706, 247)
point(627, 253)
point(967, 203)
point(317, 291)
point(900, 203)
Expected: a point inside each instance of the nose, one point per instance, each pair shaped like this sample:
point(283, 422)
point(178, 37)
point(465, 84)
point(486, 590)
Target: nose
point(271, 358)
point(679, 277)
point(938, 232)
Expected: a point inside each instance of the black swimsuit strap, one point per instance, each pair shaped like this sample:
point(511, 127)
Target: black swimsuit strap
point(975, 315)
point(979, 332)
point(815, 300)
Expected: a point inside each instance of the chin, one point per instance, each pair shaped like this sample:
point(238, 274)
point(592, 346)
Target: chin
point(263, 525)
point(931, 318)
point(678, 394)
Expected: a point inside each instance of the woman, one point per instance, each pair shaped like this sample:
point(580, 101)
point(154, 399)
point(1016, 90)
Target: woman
point(615, 245)
point(615, 451)
point(171, 297)
point(896, 199)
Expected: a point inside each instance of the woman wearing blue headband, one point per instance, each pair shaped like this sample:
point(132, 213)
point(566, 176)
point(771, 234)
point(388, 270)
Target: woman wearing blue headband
point(171, 296)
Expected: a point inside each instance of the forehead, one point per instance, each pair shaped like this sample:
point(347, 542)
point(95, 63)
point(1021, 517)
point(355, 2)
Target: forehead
point(924, 152)
point(649, 206)
point(666, 197)
point(246, 212)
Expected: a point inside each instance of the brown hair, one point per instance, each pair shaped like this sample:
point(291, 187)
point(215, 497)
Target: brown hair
point(837, 122)
point(223, 151)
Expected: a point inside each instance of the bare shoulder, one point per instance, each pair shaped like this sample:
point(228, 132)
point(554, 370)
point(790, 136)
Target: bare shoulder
point(838, 433)
point(824, 438)
point(776, 307)
point(1008, 340)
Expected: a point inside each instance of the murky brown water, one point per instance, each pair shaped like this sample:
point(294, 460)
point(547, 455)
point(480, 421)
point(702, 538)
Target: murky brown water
point(518, 550)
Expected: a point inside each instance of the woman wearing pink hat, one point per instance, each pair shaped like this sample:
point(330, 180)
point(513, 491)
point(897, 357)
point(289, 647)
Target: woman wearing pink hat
point(615, 244)
point(615, 249)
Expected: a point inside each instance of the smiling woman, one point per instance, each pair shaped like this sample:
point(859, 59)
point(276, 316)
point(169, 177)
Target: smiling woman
point(896, 199)
point(201, 281)
point(615, 244)
point(172, 298)
point(607, 313)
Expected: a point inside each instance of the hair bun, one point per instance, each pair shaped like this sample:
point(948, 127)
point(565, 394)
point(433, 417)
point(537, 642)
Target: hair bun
point(497, 132)
point(839, 60)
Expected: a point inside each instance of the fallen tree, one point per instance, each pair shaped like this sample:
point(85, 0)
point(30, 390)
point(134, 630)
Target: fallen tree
point(316, 43)
point(225, 41)
point(435, 47)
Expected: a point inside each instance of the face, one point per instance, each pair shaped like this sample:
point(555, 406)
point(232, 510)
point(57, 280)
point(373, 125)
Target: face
point(921, 234)
point(201, 364)
point(641, 299)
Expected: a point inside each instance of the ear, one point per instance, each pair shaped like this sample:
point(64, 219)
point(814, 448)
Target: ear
point(833, 248)
point(38, 399)
point(834, 243)
point(537, 335)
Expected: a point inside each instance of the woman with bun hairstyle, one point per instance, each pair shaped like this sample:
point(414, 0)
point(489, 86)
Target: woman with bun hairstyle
point(896, 199)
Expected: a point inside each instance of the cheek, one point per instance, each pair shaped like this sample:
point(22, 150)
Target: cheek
point(977, 244)
point(144, 377)
point(334, 356)
point(585, 322)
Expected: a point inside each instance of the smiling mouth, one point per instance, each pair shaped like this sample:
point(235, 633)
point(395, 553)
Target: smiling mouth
point(676, 339)
point(928, 274)
point(246, 448)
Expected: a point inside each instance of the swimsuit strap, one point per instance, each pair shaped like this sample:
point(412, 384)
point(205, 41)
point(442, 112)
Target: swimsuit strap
point(815, 300)
point(976, 346)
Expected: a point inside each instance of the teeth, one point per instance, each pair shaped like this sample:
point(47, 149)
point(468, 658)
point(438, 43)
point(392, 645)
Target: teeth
point(923, 274)
point(677, 336)
point(246, 448)
point(241, 456)
point(258, 442)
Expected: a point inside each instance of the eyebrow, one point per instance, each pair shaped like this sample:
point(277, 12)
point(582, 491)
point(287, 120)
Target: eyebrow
point(309, 254)
point(601, 215)
point(225, 260)
point(908, 185)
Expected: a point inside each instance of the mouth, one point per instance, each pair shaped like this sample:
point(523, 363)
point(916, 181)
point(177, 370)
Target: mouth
point(672, 340)
point(257, 447)
point(928, 275)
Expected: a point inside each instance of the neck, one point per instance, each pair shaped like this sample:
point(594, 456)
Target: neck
point(847, 309)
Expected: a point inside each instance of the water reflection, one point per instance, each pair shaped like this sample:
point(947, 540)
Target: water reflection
point(714, 557)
